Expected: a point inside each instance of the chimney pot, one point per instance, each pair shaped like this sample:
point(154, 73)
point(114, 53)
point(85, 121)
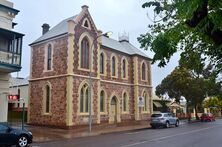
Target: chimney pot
point(85, 7)
point(45, 28)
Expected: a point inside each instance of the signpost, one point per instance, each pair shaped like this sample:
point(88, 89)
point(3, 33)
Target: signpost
point(141, 101)
point(140, 104)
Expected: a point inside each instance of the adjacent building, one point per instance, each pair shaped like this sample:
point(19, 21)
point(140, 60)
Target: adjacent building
point(73, 63)
point(10, 53)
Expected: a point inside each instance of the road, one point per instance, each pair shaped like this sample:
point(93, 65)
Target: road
point(204, 134)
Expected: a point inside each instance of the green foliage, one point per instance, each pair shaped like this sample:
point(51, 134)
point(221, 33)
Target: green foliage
point(214, 103)
point(193, 27)
point(192, 85)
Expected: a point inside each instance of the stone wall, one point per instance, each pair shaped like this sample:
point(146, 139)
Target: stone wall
point(57, 116)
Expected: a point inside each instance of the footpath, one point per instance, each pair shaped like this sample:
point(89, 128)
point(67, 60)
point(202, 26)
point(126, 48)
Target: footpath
point(45, 134)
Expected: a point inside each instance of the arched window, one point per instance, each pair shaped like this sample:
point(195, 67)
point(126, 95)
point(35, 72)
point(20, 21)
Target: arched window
point(113, 66)
point(143, 71)
point(125, 102)
point(84, 99)
point(145, 101)
point(47, 99)
point(124, 68)
point(86, 24)
point(102, 101)
point(81, 100)
point(101, 63)
point(84, 53)
point(49, 57)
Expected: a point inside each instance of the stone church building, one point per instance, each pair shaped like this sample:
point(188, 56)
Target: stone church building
point(73, 63)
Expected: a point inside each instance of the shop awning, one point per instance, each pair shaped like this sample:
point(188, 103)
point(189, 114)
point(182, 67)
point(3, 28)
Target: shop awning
point(157, 104)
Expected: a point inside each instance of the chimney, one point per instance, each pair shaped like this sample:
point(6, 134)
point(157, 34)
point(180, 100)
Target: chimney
point(85, 7)
point(45, 28)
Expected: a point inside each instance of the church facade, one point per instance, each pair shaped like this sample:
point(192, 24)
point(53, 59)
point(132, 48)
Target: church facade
point(75, 68)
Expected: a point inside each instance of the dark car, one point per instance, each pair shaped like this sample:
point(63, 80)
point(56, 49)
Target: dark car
point(207, 117)
point(11, 136)
point(163, 119)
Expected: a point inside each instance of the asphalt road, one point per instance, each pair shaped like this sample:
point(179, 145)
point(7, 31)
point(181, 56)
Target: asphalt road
point(206, 134)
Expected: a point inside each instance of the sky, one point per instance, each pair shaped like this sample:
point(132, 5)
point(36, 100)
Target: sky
point(118, 16)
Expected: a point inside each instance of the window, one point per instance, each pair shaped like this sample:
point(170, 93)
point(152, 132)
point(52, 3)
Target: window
point(85, 53)
point(84, 99)
point(124, 68)
point(125, 102)
point(86, 24)
point(101, 63)
point(113, 66)
point(143, 71)
point(102, 101)
point(47, 98)
point(145, 101)
point(49, 57)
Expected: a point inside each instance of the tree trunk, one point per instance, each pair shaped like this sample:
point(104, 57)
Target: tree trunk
point(197, 117)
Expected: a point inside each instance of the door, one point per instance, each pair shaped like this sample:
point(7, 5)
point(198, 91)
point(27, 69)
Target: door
point(172, 119)
point(113, 111)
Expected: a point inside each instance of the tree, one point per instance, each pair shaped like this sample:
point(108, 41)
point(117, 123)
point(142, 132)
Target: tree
point(214, 103)
point(189, 84)
point(189, 26)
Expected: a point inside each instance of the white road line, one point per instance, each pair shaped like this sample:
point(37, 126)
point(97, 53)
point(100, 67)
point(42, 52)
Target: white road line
point(171, 136)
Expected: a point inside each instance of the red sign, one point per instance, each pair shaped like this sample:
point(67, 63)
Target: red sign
point(13, 97)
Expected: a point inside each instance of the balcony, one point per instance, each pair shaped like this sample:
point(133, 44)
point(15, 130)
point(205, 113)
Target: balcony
point(10, 51)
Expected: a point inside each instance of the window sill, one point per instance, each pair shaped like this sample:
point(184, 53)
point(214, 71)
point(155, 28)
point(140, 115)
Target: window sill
point(48, 70)
point(114, 77)
point(83, 114)
point(144, 80)
point(47, 114)
point(103, 113)
point(145, 112)
point(103, 74)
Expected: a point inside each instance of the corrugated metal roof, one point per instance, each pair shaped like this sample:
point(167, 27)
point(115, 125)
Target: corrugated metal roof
point(123, 46)
point(62, 28)
point(18, 81)
point(57, 30)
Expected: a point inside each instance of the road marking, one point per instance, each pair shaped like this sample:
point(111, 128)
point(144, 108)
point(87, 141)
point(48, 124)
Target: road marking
point(171, 136)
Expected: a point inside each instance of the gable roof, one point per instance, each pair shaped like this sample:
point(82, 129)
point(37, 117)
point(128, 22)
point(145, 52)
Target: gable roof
point(62, 28)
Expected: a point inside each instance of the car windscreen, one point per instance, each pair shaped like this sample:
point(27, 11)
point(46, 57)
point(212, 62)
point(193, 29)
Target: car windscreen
point(156, 115)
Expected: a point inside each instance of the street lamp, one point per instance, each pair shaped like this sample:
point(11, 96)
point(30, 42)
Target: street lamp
point(107, 34)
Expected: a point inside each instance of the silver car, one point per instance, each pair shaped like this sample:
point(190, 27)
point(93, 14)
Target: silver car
point(163, 119)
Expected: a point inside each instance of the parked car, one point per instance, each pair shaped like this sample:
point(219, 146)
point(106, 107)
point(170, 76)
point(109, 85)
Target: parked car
point(207, 117)
point(163, 119)
point(11, 136)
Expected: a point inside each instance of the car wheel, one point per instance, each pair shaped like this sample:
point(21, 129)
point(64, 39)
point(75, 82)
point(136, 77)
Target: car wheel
point(177, 124)
point(167, 124)
point(153, 127)
point(22, 141)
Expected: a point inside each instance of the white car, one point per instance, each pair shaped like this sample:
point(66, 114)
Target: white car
point(163, 119)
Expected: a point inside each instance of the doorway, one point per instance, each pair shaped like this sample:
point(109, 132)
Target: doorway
point(113, 110)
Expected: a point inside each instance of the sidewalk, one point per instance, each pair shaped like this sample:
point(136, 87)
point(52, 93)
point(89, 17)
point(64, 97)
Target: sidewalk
point(44, 134)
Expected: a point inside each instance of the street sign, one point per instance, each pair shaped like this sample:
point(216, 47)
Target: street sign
point(13, 97)
point(141, 101)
